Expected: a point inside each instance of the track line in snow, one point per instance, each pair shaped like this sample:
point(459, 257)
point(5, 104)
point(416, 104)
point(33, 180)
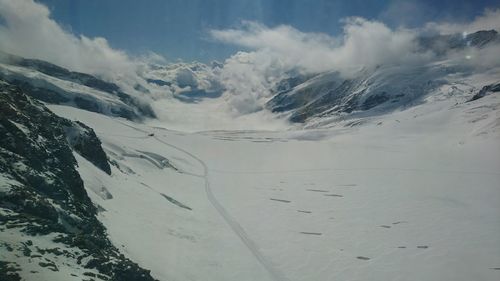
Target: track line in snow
point(274, 273)
point(233, 224)
point(317, 190)
point(280, 200)
point(311, 233)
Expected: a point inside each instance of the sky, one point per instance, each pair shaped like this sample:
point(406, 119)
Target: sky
point(180, 29)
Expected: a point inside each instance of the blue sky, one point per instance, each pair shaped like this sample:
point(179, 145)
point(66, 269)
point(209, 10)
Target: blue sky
point(179, 28)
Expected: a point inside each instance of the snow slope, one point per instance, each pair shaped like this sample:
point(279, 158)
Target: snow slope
point(413, 195)
point(51, 83)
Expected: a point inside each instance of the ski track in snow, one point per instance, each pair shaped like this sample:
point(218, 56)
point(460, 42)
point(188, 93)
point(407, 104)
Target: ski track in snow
point(274, 273)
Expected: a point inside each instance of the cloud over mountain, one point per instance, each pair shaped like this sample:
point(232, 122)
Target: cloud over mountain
point(28, 30)
point(272, 52)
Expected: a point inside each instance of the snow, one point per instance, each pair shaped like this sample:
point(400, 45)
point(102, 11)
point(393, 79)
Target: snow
point(213, 114)
point(21, 127)
point(64, 87)
point(412, 195)
point(67, 89)
point(6, 183)
point(15, 242)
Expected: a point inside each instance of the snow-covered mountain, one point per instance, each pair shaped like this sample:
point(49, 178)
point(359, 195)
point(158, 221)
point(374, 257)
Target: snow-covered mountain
point(389, 173)
point(306, 99)
point(54, 84)
point(386, 88)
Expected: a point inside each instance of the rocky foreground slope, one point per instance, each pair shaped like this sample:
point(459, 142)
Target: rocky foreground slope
point(48, 224)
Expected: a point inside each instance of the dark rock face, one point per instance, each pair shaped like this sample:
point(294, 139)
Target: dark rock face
point(84, 141)
point(42, 193)
point(375, 100)
point(34, 139)
point(159, 82)
point(485, 90)
point(8, 271)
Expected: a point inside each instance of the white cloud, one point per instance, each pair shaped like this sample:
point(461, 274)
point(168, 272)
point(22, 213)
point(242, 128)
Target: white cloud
point(248, 76)
point(29, 31)
point(284, 41)
point(364, 44)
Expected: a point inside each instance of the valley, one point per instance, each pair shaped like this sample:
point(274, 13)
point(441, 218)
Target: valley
point(394, 195)
point(249, 140)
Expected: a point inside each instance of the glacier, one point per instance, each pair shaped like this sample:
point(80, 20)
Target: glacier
point(390, 174)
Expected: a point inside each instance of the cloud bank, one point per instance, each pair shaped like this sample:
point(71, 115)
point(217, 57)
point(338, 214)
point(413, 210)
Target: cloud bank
point(27, 30)
point(364, 44)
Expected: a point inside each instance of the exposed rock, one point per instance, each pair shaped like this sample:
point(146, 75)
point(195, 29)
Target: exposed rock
point(8, 271)
point(485, 90)
point(42, 193)
point(84, 141)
